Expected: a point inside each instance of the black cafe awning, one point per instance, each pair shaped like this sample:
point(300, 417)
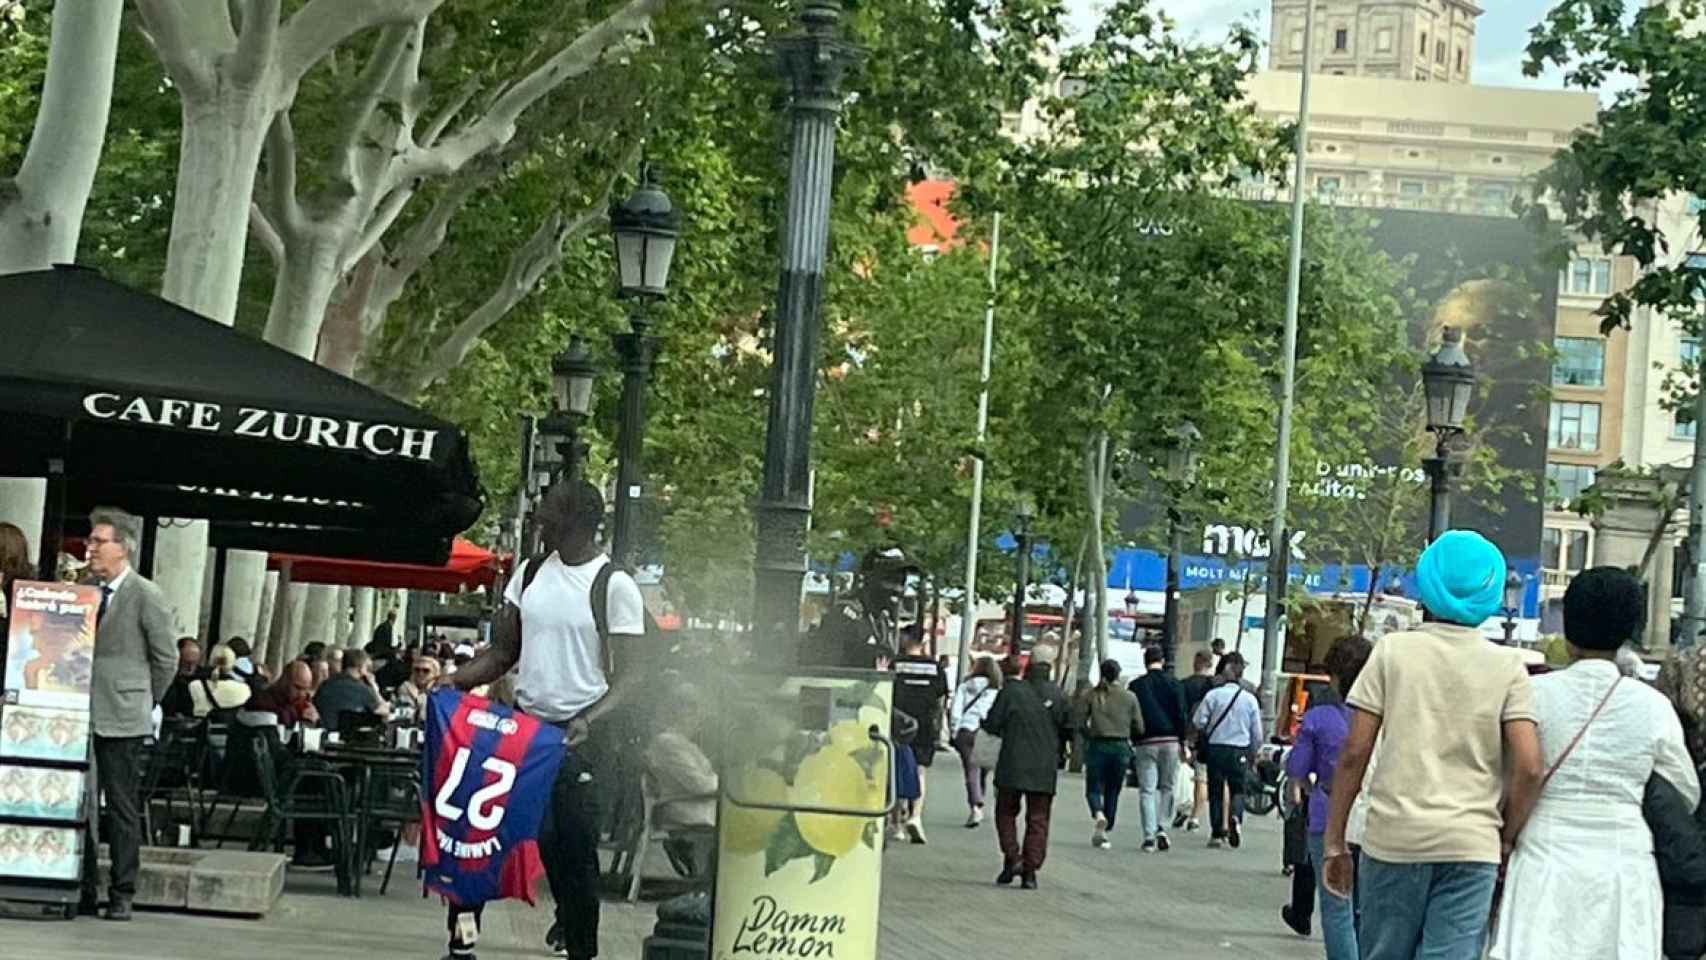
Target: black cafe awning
point(166, 413)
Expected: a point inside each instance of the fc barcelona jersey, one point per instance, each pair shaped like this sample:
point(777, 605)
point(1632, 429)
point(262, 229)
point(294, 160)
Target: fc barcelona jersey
point(487, 772)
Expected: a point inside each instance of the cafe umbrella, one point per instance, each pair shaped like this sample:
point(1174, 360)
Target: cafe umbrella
point(118, 397)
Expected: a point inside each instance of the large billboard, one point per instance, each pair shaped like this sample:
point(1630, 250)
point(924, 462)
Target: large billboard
point(1482, 275)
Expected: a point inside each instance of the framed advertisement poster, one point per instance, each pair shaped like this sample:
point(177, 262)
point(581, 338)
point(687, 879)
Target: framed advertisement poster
point(40, 853)
point(41, 793)
point(43, 733)
point(50, 657)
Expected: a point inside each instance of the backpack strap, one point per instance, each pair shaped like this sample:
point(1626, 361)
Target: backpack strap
point(600, 600)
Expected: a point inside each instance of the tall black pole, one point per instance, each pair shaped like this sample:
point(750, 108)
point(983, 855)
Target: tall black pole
point(1170, 615)
point(1020, 590)
point(636, 350)
point(814, 60)
point(1439, 469)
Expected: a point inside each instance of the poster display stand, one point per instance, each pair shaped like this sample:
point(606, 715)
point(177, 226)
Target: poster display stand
point(46, 793)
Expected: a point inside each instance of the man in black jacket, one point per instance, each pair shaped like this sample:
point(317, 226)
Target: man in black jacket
point(1032, 720)
point(1162, 700)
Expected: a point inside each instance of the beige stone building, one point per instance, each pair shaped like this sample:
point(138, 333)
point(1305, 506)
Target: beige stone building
point(1424, 40)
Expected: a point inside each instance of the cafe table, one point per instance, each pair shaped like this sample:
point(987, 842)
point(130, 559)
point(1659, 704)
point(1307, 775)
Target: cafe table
point(375, 769)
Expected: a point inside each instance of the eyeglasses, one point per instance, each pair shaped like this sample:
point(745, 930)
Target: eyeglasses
point(98, 541)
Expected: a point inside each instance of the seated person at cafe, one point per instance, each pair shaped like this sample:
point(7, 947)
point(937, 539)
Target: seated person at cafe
point(176, 702)
point(391, 669)
point(677, 765)
point(412, 693)
point(220, 690)
point(352, 690)
point(289, 699)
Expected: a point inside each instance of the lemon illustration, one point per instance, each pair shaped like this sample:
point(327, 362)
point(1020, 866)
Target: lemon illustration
point(830, 778)
point(746, 830)
point(849, 735)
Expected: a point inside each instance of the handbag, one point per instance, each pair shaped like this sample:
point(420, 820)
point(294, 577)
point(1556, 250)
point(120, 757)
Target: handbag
point(1499, 884)
point(986, 750)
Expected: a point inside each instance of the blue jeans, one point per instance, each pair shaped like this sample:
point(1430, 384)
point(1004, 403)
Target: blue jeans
point(1105, 764)
point(1338, 921)
point(1424, 911)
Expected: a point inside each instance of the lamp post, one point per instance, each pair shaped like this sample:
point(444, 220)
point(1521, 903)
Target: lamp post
point(572, 375)
point(1513, 605)
point(645, 229)
point(1182, 462)
point(1022, 533)
point(1448, 379)
point(814, 59)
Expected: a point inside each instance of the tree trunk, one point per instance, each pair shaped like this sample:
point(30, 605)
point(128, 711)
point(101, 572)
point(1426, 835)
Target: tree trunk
point(361, 626)
point(1086, 663)
point(1099, 553)
point(41, 210)
point(245, 589)
point(319, 618)
point(259, 631)
point(204, 265)
point(308, 276)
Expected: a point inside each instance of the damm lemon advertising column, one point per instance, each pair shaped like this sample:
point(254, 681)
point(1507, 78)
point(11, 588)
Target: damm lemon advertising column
point(800, 840)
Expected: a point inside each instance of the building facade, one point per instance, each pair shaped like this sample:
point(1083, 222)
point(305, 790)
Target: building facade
point(1417, 40)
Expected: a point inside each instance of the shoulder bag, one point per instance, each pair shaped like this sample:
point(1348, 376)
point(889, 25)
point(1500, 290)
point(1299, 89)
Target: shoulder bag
point(1202, 738)
point(985, 747)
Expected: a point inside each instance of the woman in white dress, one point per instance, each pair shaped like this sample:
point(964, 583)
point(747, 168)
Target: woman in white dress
point(1582, 882)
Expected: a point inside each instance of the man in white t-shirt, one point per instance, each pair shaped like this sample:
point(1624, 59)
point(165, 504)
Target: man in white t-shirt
point(549, 633)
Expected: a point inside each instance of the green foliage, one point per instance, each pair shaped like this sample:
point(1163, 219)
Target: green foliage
point(1644, 149)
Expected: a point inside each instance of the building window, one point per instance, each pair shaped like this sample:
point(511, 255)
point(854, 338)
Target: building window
point(1383, 40)
point(1580, 362)
point(1566, 481)
point(1587, 277)
point(1424, 51)
point(1422, 75)
point(1688, 352)
point(1574, 426)
point(1682, 425)
point(1327, 184)
point(1297, 41)
point(1412, 188)
point(1439, 52)
point(1565, 550)
point(1341, 40)
point(1697, 262)
point(1496, 197)
point(1459, 59)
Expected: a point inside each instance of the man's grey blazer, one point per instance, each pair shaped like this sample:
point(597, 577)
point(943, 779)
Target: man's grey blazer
point(136, 657)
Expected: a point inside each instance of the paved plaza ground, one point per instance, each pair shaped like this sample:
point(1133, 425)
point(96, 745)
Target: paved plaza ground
point(939, 903)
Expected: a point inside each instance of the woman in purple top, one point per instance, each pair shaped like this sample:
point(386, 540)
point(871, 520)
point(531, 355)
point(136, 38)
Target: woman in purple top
point(1312, 761)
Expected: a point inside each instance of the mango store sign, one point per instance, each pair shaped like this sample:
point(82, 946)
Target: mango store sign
point(385, 440)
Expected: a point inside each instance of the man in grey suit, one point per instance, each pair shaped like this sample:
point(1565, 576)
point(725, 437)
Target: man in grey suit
point(135, 660)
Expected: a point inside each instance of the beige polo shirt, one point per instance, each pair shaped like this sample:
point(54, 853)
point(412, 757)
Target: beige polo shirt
point(1443, 694)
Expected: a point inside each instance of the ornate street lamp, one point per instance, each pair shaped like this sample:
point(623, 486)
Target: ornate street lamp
point(1448, 380)
point(1182, 461)
point(573, 374)
point(1022, 515)
point(645, 229)
point(1514, 589)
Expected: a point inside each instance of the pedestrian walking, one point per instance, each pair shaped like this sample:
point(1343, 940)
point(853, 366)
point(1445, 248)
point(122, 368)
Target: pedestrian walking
point(1162, 699)
point(1031, 718)
point(920, 688)
point(1196, 687)
point(1231, 721)
point(1310, 768)
point(1603, 738)
point(1110, 720)
point(970, 705)
point(572, 629)
point(136, 657)
point(1460, 765)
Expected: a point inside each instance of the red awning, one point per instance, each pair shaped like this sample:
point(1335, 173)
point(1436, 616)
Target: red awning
point(469, 567)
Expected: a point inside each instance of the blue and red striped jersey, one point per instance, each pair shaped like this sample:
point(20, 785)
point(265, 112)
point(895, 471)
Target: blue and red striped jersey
point(487, 771)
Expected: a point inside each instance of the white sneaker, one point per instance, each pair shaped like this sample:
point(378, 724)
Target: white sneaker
point(915, 831)
point(1099, 836)
point(975, 818)
point(1104, 844)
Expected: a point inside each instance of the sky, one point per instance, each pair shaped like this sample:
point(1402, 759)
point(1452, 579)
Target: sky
point(1499, 38)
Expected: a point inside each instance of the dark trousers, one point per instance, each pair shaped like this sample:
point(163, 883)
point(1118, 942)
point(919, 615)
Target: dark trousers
point(1105, 764)
point(568, 846)
point(118, 775)
point(1303, 891)
point(1225, 772)
point(1028, 857)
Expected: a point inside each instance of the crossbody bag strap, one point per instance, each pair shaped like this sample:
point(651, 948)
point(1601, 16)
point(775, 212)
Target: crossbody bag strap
point(1223, 714)
point(1579, 734)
